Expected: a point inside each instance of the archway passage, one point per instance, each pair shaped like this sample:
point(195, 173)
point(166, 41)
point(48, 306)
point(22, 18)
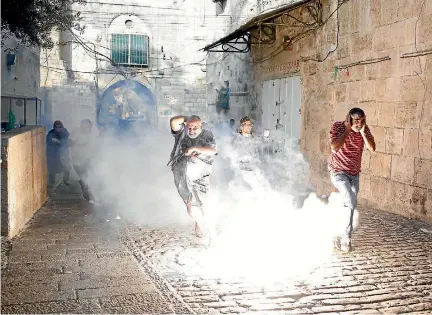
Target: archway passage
point(127, 103)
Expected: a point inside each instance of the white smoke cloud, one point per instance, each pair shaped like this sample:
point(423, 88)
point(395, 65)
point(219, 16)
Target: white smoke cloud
point(274, 227)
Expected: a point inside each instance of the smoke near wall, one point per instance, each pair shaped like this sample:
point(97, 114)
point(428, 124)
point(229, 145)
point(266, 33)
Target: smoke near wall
point(268, 220)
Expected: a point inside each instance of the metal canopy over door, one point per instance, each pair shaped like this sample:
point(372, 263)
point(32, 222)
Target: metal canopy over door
point(281, 103)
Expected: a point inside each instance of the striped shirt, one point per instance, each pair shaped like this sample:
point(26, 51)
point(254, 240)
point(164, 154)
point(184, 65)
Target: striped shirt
point(348, 157)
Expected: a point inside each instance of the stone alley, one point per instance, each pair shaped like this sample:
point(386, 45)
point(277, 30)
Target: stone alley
point(75, 259)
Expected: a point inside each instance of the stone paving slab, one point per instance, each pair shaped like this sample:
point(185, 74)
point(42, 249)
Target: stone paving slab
point(389, 272)
point(71, 259)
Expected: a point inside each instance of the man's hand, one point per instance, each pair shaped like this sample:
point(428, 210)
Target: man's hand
point(348, 124)
point(363, 128)
point(55, 140)
point(190, 151)
point(369, 141)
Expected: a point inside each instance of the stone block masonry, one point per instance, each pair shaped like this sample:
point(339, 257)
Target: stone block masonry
point(396, 95)
point(24, 179)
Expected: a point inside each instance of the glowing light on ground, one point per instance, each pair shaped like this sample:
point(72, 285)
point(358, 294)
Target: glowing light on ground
point(266, 241)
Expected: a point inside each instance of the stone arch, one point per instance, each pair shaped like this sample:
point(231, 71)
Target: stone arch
point(125, 102)
point(118, 25)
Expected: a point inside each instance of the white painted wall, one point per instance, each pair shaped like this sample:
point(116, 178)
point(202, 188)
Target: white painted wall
point(21, 79)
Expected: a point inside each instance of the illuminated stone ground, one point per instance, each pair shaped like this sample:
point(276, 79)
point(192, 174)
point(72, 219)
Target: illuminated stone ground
point(71, 259)
point(390, 272)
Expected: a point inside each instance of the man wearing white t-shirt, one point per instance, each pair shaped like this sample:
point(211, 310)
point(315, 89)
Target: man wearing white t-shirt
point(83, 144)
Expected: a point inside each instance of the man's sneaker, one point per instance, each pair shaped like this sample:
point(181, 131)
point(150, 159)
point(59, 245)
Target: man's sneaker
point(346, 245)
point(342, 244)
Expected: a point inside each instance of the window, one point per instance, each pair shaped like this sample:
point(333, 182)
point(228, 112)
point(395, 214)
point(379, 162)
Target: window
point(130, 50)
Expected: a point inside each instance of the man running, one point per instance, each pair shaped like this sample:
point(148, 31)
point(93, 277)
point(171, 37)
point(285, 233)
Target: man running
point(191, 160)
point(347, 140)
point(248, 150)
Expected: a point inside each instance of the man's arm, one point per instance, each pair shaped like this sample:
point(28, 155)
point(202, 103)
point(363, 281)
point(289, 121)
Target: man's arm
point(368, 138)
point(338, 143)
point(337, 136)
point(209, 148)
point(203, 150)
point(177, 122)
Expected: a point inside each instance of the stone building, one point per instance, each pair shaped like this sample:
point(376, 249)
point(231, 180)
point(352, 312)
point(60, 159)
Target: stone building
point(311, 61)
point(135, 61)
point(20, 82)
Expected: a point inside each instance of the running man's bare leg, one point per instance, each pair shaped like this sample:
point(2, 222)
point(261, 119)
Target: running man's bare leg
point(198, 216)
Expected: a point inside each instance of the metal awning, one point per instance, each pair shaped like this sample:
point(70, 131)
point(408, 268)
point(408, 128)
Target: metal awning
point(242, 36)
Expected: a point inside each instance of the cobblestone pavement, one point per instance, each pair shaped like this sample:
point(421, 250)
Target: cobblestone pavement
point(390, 272)
point(71, 260)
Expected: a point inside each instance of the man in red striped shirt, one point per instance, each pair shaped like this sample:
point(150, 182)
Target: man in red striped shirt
point(347, 140)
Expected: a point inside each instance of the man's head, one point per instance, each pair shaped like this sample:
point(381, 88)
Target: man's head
point(246, 126)
point(358, 118)
point(58, 126)
point(86, 126)
point(232, 123)
point(194, 126)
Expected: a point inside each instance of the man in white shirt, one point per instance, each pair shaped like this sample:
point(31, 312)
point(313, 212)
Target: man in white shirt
point(83, 143)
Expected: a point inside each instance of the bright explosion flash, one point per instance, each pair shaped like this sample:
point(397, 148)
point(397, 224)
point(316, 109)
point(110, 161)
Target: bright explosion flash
point(265, 241)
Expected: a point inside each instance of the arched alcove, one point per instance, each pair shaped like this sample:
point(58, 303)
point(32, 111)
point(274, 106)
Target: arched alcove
point(127, 101)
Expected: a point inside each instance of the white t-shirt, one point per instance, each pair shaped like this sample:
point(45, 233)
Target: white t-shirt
point(83, 149)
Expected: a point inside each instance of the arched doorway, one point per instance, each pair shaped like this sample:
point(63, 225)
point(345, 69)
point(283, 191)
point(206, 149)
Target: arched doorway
point(125, 103)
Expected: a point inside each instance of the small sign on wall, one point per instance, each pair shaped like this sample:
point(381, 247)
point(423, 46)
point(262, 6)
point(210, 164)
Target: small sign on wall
point(291, 66)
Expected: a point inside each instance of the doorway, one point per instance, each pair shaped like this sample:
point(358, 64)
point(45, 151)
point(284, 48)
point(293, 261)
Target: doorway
point(281, 104)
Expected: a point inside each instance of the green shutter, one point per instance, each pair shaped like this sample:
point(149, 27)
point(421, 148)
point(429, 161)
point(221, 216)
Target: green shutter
point(138, 50)
point(120, 48)
point(129, 49)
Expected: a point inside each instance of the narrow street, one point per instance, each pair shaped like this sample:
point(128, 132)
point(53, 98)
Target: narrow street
point(75, 259)
point(71, 260)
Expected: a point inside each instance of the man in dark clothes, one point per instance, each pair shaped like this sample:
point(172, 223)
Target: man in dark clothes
point(192, 159)
point(58, 153)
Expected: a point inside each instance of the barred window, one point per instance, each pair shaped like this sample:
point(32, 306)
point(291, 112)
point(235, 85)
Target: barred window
point(130, 50)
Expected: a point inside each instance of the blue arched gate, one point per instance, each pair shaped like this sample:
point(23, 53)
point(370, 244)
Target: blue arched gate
point(127, 103)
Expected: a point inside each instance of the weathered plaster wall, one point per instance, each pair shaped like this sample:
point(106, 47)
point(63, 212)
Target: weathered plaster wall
point(396, 95)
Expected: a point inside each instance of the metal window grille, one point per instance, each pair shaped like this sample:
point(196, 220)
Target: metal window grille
point(128, 49)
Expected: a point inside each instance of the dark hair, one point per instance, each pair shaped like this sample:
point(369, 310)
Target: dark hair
point(58, 123)
point(194, 118)
point(357, 111)
point(232, 120)
point(244, 119)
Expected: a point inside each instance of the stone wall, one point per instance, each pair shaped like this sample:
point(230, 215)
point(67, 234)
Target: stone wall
point(396, 95)
point(227, 67)
point(24, 178)
point(176, 71)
